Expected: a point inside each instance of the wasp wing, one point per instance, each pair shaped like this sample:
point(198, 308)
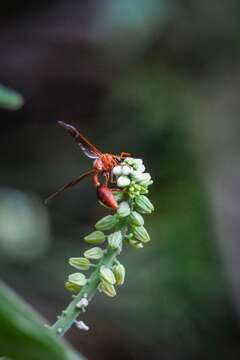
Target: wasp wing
point(88, 149)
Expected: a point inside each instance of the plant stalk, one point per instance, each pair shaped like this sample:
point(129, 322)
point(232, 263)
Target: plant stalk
point(71, 313)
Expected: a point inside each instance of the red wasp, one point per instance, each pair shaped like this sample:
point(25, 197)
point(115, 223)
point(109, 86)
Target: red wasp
point(102, 165)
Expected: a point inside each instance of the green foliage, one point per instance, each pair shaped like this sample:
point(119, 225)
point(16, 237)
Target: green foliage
point(10, 99)
point(23, 334)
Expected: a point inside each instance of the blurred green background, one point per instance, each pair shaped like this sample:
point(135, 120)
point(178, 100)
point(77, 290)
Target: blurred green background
point(157, 78)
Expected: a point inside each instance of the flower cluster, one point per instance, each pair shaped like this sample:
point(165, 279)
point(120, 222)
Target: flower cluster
point(125, 226)
point(131, 174)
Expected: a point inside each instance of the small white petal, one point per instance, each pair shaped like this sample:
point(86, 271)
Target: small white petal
point(117, 170)
point(81, 325)
point(146, 176)
point(126, 170)
point(123, 181)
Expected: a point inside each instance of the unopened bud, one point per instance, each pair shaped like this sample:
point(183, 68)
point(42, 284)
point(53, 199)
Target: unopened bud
point(117, 170)
point(119, 195)
point(146, 183)
point(136, 219)
point(123, 181)
point(138, 165)
point(141, 234)
point(106, 223)
point(119, 273)
point(123, 209)
point(107, 288)
point(143, 204)
point(135, 244)
point(139, 176)
point(79, 263)
point(126, 170)
point(107, 275)
point(115, 240)
point(129, 161)
point(94, 253)
point(78, 279)
point(74, 288)
point(96, 237)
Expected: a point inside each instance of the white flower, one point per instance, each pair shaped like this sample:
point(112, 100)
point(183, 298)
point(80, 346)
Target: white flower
point(82, 304)
point(138, 161)
point(123, 181)
point(126, 170)
point(141, 168)
point(139, 176)
point(138, 165)
point(146, 177)
point(117, 170)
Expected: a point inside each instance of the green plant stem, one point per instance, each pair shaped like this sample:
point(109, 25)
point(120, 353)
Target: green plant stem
point(71, 313)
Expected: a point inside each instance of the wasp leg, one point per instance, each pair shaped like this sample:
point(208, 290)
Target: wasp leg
point(69, 185)
point(125, 154)
point(96, 180)
point(117, 189)
point(112, 179)
point(106, 176)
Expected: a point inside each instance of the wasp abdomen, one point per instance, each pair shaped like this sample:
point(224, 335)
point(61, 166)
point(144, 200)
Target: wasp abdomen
point(106, 197)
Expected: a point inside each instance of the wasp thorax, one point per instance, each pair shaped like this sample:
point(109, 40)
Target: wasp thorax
point(98, 165)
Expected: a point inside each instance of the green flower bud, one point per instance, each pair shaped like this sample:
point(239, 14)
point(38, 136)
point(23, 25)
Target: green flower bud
point(135, 244)
point(136, 219)
point(141, 177)
point(107, 275)
point(119, 273)
point(106, 223)
point(115, 240)
point(147, 183)
point(143, 204)
point(94, 253)
point(123, 209)
point(141, 234)
point(78, 279)
point(74, 288)
point(143, 190)
point(96, 237)
point(129, 161)
point(79, 263)
point(107, 288)
point(119, 195)
point(129, 236)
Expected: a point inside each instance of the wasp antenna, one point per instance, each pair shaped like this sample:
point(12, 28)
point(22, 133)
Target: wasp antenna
point(70, 129)
point(64, 125)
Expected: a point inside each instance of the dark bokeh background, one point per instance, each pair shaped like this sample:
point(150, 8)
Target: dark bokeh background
point(157, 78)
